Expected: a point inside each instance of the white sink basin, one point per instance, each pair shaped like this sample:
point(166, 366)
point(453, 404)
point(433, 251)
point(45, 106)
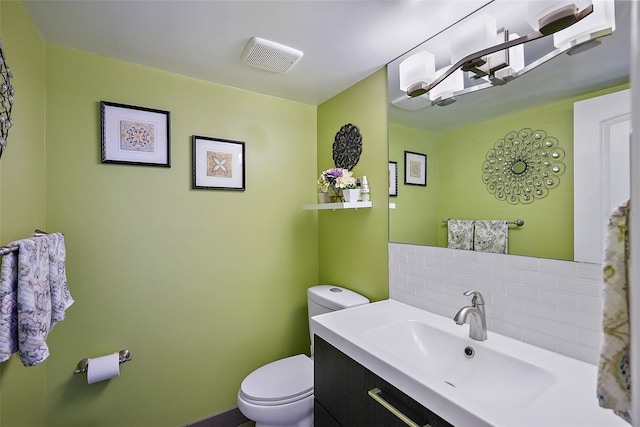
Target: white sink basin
point(507, 382)
point(489, 376)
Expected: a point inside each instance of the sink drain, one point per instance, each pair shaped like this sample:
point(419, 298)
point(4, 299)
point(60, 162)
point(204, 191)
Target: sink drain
point(469, 352)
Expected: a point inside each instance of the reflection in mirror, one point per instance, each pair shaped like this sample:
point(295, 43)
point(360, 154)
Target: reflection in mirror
point(519, 167)
point(457, 137)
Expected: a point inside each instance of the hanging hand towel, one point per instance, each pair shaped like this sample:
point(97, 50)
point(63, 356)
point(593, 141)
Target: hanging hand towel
point(8, 306)
point(460, 234)
point(60, 296)
point(491, 236)
point(614, 377)
point(34, 300)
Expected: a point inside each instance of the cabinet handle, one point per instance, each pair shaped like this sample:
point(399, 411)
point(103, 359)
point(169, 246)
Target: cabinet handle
point(375, 394)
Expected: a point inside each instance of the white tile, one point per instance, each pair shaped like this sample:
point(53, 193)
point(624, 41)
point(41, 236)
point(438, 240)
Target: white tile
point(407, 289)
point(415, 281)
point(590, 338)
point(466, 281)
point(559, 299)
point(540, 280)
point(522, 292)
point(394, 247)
point(424, 251)
point(496, 260)
point(445, 253)
point(559, 330)
point(495, 313)
point(492, 285)
point(407, 249)
point(578, 351)
point(558, 267)
point(540, 340)
point(590, 271)
point(399, 258)
point(590, 304)
point(521, 319)
point(507, 329)
point(582, 320)
point(508, 276)
point(407, 269)
point(415, 260)
point(466, 256)
point(435, 296)
point(539, 310)
point(434, 285)
point(433, 262)
point(479, 270)
point(400, 277)
point(509, 303)
point(522, 263)
point(455, 290)
point(579, 287)
point(454, 265)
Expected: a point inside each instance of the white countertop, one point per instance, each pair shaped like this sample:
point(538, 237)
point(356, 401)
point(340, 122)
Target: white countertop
point(569, 400)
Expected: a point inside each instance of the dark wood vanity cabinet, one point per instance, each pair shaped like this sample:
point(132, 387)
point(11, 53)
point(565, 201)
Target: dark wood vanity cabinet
point(342, 397)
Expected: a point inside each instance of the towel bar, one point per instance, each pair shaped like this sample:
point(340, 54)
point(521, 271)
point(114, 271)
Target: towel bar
point(518, 222)
point(124, 356)
point(8, 249)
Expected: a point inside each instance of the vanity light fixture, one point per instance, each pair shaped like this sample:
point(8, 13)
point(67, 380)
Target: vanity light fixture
point(574, 30)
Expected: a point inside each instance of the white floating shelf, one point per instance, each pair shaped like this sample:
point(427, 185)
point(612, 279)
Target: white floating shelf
point(334, 206)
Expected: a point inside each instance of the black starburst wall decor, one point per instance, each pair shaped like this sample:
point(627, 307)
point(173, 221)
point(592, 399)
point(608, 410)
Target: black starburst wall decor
point(347, 147)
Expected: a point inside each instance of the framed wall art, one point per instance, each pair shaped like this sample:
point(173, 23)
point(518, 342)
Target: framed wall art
point(415, 168)
point(218, 164)
point(135, 135)
point(393, 179)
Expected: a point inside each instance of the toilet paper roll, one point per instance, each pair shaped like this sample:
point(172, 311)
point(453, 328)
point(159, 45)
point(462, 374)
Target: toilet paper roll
point(103, 368)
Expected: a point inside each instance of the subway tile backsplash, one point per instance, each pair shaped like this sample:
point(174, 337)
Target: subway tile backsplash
point(552, 304)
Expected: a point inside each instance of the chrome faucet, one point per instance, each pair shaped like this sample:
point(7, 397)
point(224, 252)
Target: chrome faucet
point(477, 321)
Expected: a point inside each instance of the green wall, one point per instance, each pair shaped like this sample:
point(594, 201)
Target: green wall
point(458, 156)
point(201, 286)
point(414, 220)
point(22, 191)
point(352, 244)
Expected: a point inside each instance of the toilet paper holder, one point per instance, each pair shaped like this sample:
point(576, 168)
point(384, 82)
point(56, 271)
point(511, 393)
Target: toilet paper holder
point(124, 355)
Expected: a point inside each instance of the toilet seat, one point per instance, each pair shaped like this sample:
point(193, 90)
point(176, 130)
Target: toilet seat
point(280, 382)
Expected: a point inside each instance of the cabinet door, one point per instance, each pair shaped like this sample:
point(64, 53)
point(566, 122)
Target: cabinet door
point(342, 387)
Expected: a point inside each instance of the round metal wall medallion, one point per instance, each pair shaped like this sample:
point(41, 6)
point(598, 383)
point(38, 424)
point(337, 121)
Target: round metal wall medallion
point(347, 147)
point(6, 102)
point(523, 166)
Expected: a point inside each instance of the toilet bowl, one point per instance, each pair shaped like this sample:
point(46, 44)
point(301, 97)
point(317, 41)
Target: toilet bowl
point(280, 394)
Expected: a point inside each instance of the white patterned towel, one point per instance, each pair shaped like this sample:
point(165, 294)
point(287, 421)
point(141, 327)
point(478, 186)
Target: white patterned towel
point(60, 296)
point(460, 234)
point(34, 300)
point(8, 306)
point(491, 236)
point(614, 377)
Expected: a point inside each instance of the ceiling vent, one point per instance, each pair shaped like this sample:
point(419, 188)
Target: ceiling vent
point(270, 55)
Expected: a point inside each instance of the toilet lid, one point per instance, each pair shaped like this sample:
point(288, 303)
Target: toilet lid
point(287, 379)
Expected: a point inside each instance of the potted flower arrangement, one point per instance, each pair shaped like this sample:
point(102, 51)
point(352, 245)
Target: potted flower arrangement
point(337, 184)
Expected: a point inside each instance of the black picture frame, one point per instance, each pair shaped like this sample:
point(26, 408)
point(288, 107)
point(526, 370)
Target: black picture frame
point(134, 135)
point(415, 168)
point(393, 179)
point(218, 164)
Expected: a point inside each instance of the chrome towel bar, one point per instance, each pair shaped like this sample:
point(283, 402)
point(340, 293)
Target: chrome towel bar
point(8, 249)
point(518, 222)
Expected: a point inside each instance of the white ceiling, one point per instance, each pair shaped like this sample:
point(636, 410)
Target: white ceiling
point(343, 41)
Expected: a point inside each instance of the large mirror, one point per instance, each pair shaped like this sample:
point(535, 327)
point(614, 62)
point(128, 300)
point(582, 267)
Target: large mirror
point(457, 137)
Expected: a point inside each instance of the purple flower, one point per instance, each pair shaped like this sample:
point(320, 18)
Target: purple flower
point(333, 173)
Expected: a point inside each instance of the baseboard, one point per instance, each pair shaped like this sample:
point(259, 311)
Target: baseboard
point(231, 418)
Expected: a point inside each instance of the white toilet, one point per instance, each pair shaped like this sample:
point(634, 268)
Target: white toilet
point(280, 394)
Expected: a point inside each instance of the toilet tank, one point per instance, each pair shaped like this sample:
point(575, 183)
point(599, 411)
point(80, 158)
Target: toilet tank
point(326, 298)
